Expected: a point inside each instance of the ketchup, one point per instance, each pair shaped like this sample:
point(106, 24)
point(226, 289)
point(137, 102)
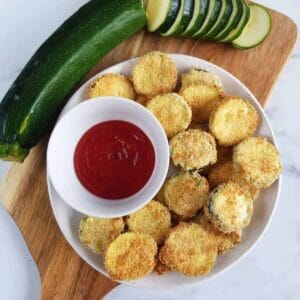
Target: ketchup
point(114, 159)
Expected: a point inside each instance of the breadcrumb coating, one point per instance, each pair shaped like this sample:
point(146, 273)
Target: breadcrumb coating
point(189, 250)
point(193, 149)
point(153, 219)
point(130, 256)
point(257, 161)
point(154, 74)
point(112, 85)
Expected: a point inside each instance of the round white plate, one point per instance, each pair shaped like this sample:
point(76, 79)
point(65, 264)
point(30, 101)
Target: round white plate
point(68, 219)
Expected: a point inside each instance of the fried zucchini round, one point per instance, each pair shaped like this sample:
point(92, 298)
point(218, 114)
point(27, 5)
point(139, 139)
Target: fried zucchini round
point(97, 233)
point(223, 172)
point(130, 256)
point(233, 120)
point(172, 111)
point(112, 85)
point(186, 193)
point(141, 99)
point(153, 219)
point(196, 76)
point(193, 150)
point(154, 74)
point(202, 99)
point(257, 161)
point(229, 208)
point(189, 250)
point(223, 240)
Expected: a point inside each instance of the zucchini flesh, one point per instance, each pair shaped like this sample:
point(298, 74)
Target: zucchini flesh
point(161, 14)
point(214, 8)
point(38, 93)
point(233, 21)
point(182, 20)
point(257, 28)
point(199, 13)
point(221, 20)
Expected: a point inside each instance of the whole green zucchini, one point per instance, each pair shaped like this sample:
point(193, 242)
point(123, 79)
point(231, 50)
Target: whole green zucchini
point(38, 93)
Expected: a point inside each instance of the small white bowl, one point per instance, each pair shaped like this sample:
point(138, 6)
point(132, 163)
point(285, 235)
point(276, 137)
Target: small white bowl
point(65, 137)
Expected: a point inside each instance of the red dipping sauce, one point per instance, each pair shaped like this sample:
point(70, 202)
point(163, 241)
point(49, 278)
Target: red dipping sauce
point(114, 159)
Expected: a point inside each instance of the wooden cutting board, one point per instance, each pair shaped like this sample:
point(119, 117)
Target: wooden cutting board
point(64, 274)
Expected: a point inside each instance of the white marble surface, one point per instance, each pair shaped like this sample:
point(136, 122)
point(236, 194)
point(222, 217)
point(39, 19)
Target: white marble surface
point(272, 269)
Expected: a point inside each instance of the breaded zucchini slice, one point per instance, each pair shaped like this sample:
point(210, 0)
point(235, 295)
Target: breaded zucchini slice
point(172, 111)
point(112, 85)
point(223, 240)
point(202, 99)
point(193, 150)
point(186, 193)
point(155, 73)
point(233, 120)
point(130, 256)
point(196, 76)
point(223, 172)
point(153, 219)
point(160, 196)
point(97, 233)
point(141, 99)
point(257, 161)
point(224, 153)
point(189, 250)
point(229, 208)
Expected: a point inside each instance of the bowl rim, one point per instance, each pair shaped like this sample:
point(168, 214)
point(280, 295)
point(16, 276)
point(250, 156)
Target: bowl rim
point(98, 206)
point(204, 279)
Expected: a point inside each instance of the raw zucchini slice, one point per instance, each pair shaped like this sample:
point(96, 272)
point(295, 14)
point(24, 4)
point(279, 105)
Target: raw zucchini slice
point(199, 14)
point(235, 33)
point(257, 28)
point(222, 19)
point(161, 14)
point(182, 20)
point(214, 9)
point(233, 21)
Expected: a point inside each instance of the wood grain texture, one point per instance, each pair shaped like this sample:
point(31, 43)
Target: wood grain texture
point(24, 191)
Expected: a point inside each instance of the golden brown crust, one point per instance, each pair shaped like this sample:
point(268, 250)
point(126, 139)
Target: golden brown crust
point(223, 241)
point(233, 120)
point(97, 233)
point(130, 256)
point(153, 219)
point(112, 85)
point(202, 99)
point(189, 250)
point(186, 193)
point(199, 126)
point(257, 161)
point(196, 76)
point(229, 208)
point(154, 74)
point(193, 149)
point(172, 111)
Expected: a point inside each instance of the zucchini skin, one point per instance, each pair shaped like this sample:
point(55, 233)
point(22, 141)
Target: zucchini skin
point(39, 92)
point(172, 13)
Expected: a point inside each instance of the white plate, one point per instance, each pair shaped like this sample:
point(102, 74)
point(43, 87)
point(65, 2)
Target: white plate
point(68, 219)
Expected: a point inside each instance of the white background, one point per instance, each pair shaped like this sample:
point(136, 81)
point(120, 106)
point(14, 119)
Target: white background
point(272, 269)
